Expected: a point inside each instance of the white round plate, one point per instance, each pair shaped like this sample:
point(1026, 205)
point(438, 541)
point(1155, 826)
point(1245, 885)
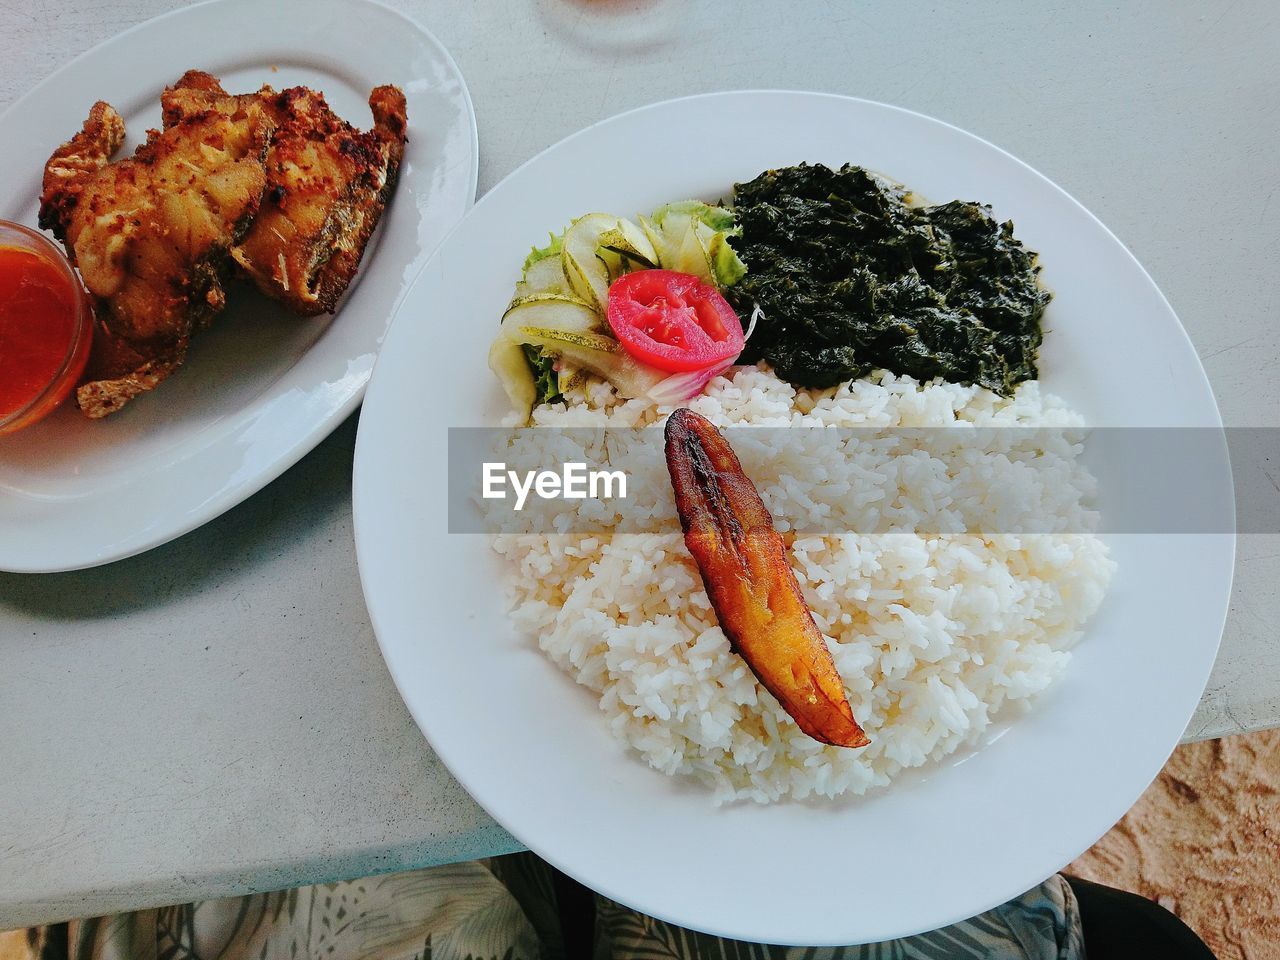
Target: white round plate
point(261, 387)
point(533, 749)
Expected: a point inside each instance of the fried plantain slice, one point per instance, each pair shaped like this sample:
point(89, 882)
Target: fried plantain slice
point(744, 567)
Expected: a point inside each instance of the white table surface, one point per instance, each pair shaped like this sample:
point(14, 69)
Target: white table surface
point(214, 717)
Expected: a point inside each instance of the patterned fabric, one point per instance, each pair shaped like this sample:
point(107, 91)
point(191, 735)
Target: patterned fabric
point(505, 909)
point(455, 911)
point(1042, 924)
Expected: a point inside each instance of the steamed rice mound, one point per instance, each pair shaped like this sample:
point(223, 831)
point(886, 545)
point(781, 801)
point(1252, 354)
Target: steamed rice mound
point(935, 636)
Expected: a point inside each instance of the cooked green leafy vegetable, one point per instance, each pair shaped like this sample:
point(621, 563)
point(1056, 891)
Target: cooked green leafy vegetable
point(850, 277)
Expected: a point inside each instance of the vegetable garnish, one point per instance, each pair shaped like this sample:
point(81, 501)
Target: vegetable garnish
point(673, 321)
point(685, 385)
point(744, 566)
point(555, 333)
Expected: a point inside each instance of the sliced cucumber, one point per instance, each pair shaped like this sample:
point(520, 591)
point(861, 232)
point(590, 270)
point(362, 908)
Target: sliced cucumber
point(657, 241)
point(543, 276)
point(691, 256)
point(676, 243)
point(591, 264)
point(547, 296)
point(600, 354)
point(625, 247)
point(557, 340)
point(571, 375)
point(552, 311)
point(615, 365)
point(673, 230)
point(544, 320)
point(588, 275)
point(629, 378)
point(725, 263)
point(588, 280)
point(507, 361)
point(574, 332)
point(719, 219)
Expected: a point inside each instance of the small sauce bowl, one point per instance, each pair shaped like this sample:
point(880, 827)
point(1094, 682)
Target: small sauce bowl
point(46, 327)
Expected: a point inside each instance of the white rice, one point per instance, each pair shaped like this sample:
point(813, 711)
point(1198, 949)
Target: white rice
point(935, 636)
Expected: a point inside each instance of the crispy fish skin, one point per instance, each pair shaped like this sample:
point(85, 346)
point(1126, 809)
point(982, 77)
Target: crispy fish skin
point(72, 165)
point(327, 186)
point(744, 566)
point(151, 236)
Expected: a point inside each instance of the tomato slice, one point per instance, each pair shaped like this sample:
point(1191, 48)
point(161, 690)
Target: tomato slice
point(673, 321)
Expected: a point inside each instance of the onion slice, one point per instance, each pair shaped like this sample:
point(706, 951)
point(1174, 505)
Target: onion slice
point(756, 314)
point(689, 383)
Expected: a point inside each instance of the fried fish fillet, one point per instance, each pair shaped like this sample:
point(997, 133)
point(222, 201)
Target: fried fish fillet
point(327, 185)
point(73, 164)
point(151, 234)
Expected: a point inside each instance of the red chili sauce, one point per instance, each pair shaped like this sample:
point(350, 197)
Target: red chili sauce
point(44, 333)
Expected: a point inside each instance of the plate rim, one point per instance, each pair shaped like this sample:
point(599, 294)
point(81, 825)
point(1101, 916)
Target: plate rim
point(305, 441)
point(364, 548)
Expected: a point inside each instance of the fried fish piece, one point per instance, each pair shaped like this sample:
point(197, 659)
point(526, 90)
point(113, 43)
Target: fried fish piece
point(744, 567)
point(72, 165)
point(151, 236)
point(327, 185)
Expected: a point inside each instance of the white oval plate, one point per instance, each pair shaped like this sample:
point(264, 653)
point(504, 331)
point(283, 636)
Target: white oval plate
point(261, 387)
point(533, 749)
